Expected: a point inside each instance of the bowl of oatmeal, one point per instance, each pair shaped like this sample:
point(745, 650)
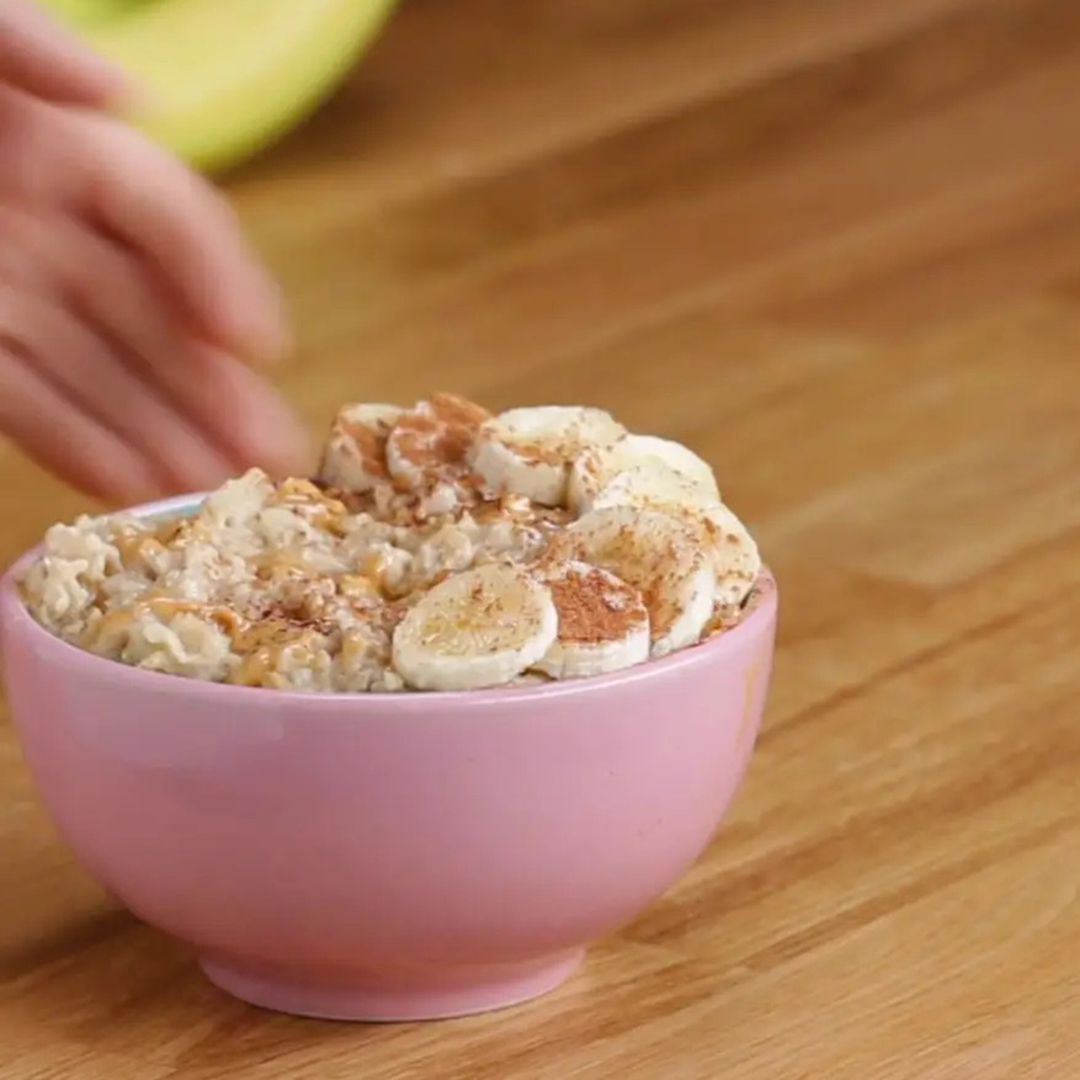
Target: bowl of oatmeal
point(398, 741)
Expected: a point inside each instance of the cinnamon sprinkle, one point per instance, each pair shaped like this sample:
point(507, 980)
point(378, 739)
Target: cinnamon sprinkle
point(594, 606)
point(370, 447)
point(436, 437)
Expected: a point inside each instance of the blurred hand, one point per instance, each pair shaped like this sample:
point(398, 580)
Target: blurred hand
point(130, 306)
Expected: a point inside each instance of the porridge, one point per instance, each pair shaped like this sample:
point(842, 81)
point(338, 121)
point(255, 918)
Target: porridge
point(439, 548)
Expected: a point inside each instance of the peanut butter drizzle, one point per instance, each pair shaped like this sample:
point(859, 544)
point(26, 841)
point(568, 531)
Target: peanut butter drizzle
point(135, 544)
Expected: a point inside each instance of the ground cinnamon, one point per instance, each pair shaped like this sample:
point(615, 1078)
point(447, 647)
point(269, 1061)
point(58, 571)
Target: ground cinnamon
point(594, 606)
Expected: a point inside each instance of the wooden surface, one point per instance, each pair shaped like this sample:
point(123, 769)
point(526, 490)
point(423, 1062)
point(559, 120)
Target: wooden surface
point(835, 246)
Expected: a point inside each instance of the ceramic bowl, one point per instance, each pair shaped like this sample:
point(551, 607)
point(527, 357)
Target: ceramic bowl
point(386, 857)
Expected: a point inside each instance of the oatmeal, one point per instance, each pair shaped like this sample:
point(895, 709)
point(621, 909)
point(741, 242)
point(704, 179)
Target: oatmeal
point(439, 548)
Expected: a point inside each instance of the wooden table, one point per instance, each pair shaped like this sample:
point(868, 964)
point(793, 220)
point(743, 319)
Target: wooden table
point(835, 246)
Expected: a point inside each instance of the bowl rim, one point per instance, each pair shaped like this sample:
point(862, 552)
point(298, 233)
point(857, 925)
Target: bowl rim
point(16, 617)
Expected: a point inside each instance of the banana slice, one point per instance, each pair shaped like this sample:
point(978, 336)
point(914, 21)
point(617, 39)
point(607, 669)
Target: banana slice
point(355, 454)
point(725, 539)
point(603, 623)
point(477, 629)
point(735, 555)
point(431, 444)
point(529, 451)
point(656, 485)
point(594, 469)
point(660, 556)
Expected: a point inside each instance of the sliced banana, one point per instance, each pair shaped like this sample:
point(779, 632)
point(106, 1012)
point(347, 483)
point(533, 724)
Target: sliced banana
point(726, 540)
point(681, 458)
point(431, 443)
point(477, 629)
point(529, 451)
point(598, 466)
point(734, 553)
point(656, 485)
point(603, 623)
point(660, 556)
point(355, 454)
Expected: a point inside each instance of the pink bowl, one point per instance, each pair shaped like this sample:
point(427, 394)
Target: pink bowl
point(383, 857)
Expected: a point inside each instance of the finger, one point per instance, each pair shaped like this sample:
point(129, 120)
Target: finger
point(85, 368)
point(22, 249)
point(73, 445)
point(32, 145)
point(262, 429)
point(234, 409)
point(40, 57)
point(187, 232)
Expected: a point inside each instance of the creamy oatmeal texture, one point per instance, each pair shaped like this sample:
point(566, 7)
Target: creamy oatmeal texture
point(440, 548)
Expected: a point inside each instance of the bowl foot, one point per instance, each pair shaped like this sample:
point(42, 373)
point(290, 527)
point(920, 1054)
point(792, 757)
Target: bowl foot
point(433, 994)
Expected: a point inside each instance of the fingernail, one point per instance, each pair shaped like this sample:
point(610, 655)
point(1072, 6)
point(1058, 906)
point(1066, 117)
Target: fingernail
point(271, 437)
point(139, 484)
point(293, 455)
point(125, 100)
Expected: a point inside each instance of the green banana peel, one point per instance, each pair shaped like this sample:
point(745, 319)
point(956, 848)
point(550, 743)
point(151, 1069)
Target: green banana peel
point(85, 13)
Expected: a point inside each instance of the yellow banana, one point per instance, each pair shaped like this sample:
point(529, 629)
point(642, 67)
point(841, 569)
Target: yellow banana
point(220, 79)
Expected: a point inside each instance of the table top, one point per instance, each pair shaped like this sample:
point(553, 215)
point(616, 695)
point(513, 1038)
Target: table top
point(836, 248)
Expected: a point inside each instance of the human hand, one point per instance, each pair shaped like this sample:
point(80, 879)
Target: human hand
point(130, 306)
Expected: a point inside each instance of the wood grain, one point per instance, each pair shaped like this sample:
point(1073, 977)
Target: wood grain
point(836, 247)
